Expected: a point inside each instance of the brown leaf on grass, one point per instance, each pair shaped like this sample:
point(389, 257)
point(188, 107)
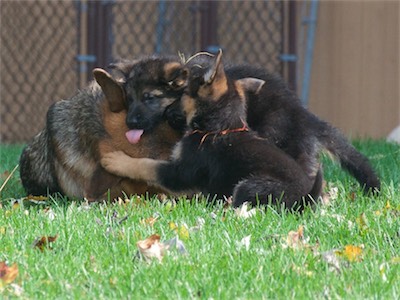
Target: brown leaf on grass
point(5, 175)
point(353, 196)
point(330, 196)
point(228, 201)
point(149, 221)
point(295, 239)
point(7, 273)
point(151, 248)
point(43, 242)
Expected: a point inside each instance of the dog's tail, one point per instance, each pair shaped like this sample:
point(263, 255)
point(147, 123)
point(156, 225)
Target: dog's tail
point(350, 159)
point(36, 166)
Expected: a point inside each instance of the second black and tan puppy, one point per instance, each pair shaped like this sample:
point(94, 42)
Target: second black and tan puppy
point(220, 155)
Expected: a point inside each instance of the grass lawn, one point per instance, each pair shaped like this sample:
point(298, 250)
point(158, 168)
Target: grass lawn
point(347, 249)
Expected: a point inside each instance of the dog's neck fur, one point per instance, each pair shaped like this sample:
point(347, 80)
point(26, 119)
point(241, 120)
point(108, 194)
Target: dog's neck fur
point(226, 113)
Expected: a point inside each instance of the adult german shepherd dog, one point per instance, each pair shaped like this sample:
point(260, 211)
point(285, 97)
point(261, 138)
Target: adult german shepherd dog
point(220, 155)
point(64, 157)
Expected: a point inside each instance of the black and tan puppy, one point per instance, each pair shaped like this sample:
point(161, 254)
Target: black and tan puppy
point(276, 114)
point(220, 155)
point(65, 156)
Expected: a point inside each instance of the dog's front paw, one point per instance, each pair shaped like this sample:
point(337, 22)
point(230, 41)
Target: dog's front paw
point(115, 162)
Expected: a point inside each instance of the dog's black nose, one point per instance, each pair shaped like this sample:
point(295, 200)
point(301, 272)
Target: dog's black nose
point(134, 122)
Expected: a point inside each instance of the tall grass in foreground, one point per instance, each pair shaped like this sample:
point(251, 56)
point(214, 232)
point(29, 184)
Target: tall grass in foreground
point(349, 248)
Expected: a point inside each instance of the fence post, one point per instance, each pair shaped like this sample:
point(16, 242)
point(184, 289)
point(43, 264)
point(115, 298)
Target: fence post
point(209, 26)
point(96, 38)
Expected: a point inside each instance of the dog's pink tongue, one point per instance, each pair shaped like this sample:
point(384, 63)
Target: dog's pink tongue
point(133, 136)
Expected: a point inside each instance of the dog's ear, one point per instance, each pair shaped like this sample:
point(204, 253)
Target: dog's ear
point(113, 90)
point(250, 84)
point(216, 72)
point(122, 68)
point(175, 75)
point(214, 81)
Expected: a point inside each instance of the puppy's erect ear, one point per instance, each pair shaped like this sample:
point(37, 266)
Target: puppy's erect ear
point(113, 90)
point(175, 75)
point(215, 81)
point(216, 71)
point(250, 84)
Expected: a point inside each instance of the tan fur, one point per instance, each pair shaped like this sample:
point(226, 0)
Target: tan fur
point(240, 90)
point(216, 90)
point(158, 144)
point(171, 67)
point(122, 165)
point(189, 107)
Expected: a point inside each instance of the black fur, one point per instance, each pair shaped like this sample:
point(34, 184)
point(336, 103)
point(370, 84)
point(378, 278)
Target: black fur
point(277, 114)
point(220, 156)
point(143, 78)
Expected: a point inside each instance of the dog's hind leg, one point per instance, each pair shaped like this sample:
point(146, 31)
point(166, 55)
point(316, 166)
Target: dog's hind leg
point(99, 183)
point(266, 190)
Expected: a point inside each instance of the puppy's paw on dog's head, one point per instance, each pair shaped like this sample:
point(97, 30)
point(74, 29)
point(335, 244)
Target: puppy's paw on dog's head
point(115, 162)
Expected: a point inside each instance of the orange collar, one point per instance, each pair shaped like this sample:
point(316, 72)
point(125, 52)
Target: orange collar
point(216, 133)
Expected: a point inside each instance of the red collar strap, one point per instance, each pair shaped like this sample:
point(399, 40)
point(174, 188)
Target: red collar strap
point(216, 133)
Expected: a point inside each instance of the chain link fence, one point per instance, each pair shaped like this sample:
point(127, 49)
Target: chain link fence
point(48, 48)
point(37, 52)
point(247, 31)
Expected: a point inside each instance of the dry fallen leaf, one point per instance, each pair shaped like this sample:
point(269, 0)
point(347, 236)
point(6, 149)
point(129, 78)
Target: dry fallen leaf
point(50, 213)
point(175, 243)
point(7, 273)
point(151, 248)
point(16, 289)
point(332, 259)
point(330, 196)
point(243, 212)
point(244, 243)
point(44, 242)
point(352, 253)
point(182, 230)
point(337, 258)
point(149, 221)
point(296, 240)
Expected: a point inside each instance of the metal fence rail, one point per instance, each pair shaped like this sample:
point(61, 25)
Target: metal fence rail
point(48, 48)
